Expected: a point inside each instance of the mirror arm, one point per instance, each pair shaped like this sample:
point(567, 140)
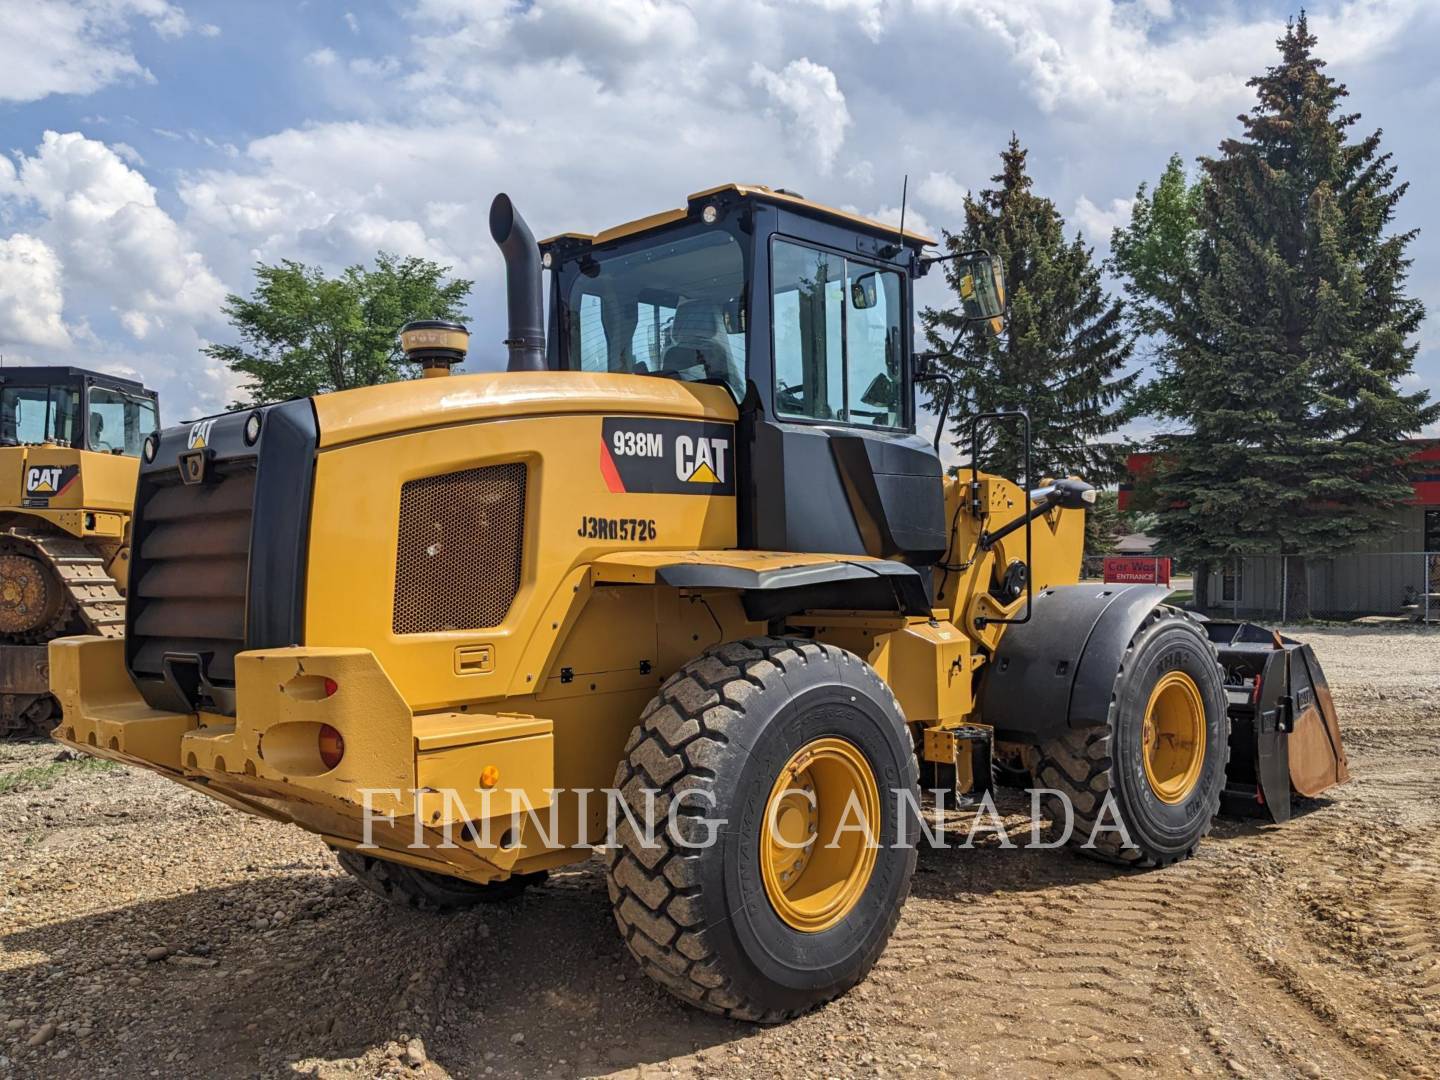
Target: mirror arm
point(930, 260)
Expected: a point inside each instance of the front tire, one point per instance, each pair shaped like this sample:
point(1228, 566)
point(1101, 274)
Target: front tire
point(1158, 763)
point(718, 909)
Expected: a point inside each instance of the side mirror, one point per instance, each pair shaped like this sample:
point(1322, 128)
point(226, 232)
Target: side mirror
point(864, 292)
point(981, 279)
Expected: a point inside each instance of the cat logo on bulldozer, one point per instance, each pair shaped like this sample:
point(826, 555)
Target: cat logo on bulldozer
point(700, 460)
point(199, 436)
point(42, 481)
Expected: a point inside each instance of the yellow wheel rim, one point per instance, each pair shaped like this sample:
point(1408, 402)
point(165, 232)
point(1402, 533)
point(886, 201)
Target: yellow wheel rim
point(820, 833)
point(1174, 737)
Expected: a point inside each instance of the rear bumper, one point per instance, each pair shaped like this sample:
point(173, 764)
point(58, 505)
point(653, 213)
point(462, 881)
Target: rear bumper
point(412, 783)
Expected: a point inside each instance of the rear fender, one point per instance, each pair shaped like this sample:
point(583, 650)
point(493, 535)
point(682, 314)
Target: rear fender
point(1055, 673)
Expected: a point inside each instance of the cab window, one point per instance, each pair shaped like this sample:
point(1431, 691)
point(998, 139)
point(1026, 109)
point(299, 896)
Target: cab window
point(118, 423)
point(39, 414)
point(838, 338)
point(672, 308)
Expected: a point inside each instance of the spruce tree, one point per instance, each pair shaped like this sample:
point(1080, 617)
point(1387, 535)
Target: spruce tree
point(1287, 347)
point(1062, 354)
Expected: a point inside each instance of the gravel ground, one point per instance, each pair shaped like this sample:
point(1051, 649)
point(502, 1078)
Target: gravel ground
point(149, 931)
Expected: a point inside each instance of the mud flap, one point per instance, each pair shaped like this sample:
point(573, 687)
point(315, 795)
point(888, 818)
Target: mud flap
point(1284, 732)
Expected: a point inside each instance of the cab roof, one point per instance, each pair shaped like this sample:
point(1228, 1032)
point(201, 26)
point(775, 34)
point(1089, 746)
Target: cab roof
point(51, 374)
point(788, 200)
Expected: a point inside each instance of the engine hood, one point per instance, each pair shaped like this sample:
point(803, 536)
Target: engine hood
point(393, 408)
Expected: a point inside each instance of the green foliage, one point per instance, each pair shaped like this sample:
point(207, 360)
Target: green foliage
point(1155, 255)
point(303, 332)
point(1105, 523)
point(1065, 345)
point(43, 777)
point(1286, 330)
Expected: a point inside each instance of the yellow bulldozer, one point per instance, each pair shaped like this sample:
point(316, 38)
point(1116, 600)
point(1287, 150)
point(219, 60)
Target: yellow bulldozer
point(682, 583)
point(69, 452)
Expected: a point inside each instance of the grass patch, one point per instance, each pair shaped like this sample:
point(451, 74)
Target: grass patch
point(41, 777)
point(1181, 597)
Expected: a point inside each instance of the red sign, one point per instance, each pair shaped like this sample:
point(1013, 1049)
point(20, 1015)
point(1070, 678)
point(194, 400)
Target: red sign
point(1136, 570)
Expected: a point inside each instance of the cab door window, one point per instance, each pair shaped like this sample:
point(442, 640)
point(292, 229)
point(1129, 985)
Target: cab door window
point(837, 335)
point(118, 423)
point(809, 309)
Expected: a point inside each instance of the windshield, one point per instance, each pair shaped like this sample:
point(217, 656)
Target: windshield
point(38, 414)
point(673, 309)
point(119, 422)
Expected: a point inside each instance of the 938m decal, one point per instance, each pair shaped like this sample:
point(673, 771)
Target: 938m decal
point(667, 457)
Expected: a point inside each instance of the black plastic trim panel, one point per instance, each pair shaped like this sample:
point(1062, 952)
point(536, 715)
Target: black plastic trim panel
point(770, 594)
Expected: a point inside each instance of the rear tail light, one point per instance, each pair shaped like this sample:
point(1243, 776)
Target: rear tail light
point(332, 746)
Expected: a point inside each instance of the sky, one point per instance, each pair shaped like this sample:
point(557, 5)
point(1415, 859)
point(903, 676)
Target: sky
point(151, 152)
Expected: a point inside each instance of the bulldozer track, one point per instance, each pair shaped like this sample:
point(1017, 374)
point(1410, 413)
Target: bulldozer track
point(94, 595)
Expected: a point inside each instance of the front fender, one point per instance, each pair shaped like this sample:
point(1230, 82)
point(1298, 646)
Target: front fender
point(1055, 673)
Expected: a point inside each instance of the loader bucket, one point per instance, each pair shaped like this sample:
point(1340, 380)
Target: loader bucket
point(1284, 733)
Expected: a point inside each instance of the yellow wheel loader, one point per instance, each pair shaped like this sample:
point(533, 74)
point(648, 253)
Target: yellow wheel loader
point(69, 452)
point(682, 583)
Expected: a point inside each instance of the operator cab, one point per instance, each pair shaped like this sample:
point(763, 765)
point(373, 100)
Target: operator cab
point(69, 406)
point(805, 314)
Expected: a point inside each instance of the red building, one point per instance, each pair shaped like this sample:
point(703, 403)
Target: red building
point(1392, 574)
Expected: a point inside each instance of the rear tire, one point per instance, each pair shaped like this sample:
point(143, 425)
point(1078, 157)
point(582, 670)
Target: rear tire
point(1166, 804)
point(423, 890)
point(713, 922)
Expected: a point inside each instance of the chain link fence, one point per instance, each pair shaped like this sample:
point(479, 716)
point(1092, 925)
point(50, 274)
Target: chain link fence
point(1404, 583)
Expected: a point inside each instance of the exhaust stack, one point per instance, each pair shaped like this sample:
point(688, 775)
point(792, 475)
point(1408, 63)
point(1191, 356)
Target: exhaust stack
point(524, 291)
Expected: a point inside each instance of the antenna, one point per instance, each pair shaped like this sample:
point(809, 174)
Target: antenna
point(904, 192)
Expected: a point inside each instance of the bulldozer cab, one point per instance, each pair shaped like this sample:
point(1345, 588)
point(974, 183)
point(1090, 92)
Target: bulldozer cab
point(804, 313)
point(85, 410)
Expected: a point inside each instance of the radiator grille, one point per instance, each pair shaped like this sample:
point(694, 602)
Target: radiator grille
point(461, 545)
point(189, 570)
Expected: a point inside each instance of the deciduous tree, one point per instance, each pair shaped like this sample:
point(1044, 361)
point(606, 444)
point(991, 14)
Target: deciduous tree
point(303, 332)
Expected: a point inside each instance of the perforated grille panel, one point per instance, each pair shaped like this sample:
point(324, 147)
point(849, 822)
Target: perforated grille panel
point(462, 539)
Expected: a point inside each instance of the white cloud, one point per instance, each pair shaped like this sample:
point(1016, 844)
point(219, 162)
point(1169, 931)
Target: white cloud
point(77, 46)
point(811, 95)
point(915, 221)
point(612, 39)
point(102, 216)
point(1080, 56)
point(1097, 223)
point(868, 15)
point(944, 192)
point(31, 294)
